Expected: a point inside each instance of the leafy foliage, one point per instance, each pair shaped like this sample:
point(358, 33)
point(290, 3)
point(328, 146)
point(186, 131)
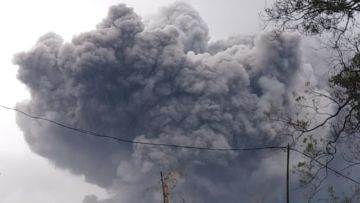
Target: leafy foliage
point(336, 22)
point(314, 16)
point(333, 197)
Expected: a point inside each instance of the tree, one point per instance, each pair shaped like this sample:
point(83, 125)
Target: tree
point(315, 16)
point(336, 23)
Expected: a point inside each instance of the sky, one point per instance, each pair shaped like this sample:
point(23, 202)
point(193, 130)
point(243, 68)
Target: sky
point(27, 177)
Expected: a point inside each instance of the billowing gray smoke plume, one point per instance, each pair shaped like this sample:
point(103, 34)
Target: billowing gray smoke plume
point(163, 82)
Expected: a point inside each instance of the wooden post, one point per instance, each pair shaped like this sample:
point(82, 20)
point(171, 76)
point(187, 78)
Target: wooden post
point(165, 187)
point(287, 174)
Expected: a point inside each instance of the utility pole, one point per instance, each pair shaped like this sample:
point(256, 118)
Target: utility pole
point(165, 187)
point(287, 174)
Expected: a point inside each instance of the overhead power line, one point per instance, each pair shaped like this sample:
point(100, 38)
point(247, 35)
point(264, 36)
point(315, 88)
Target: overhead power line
point(100, 135)
point(326, 166)
point(95, 134)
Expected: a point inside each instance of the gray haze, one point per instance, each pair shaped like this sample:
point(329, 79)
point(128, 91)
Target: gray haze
point(162, 81)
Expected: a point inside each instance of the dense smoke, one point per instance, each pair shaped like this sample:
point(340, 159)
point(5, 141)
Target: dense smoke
point(163, 81)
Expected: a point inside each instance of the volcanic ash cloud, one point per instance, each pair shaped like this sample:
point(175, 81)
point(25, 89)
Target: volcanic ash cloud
point(162, 82)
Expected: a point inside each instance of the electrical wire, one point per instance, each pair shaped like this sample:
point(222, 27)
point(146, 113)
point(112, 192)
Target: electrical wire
point(95, 134)
point(326, 166)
